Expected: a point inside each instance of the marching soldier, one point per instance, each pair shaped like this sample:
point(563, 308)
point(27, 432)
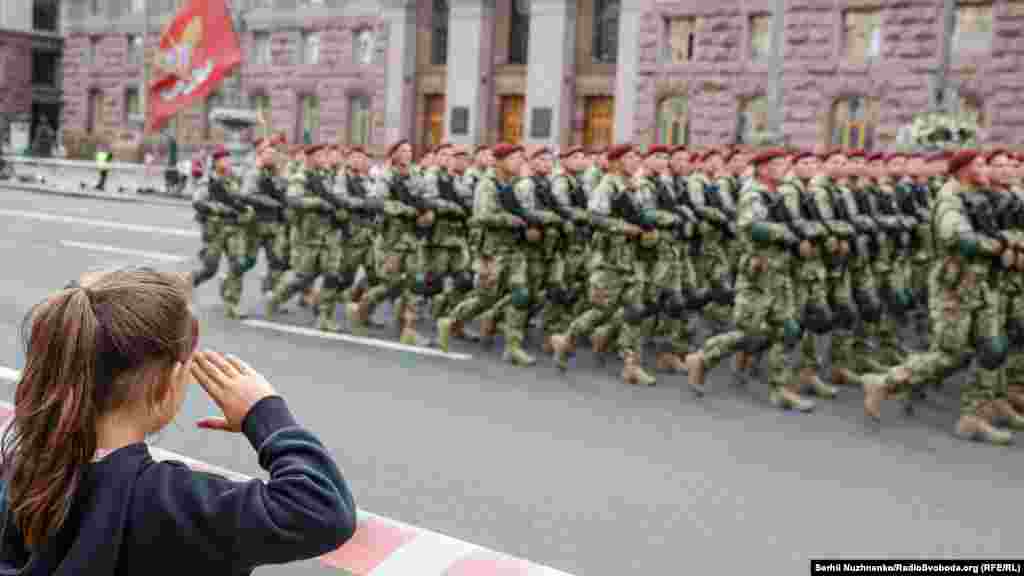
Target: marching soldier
point(232, 216)
point(261, 190)
point(352, 188)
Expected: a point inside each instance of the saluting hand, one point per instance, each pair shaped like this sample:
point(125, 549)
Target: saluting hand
point(232, 384)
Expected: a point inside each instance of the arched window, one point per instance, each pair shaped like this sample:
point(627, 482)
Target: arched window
point(606, 30)
point(853, 122)
point(673, 121)
point(753, 118)
point(359, 120)
point(439, 33)
point(519, 32)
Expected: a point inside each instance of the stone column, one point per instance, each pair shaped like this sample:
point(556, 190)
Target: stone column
point(627, 70)
point(470, 63)
point(551, 61)
point(775, 98)
point(941, 81)
point(400, 85)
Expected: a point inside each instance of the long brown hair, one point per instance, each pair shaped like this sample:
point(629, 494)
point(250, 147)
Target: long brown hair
point(102, 344)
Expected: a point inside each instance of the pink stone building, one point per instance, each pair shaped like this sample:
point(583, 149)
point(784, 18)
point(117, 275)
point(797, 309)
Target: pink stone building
point(561, 72)
point(30, 51)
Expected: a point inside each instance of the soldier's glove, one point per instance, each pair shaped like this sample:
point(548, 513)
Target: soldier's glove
point(792, 332)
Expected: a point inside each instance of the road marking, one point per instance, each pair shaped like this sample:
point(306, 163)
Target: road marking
point(429, 553)
point(9, 374)
point(45, 217)
point(355, 339)
point(125, 251)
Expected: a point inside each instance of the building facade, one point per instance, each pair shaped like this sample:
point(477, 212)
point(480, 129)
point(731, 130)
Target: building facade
point(30, 64)
point(563, 72)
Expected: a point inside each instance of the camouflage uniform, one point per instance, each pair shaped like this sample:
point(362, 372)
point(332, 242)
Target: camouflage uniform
point(611, 279)
point(568, 303)
point(713, 266)
point(396, 255)
point(766, 308)
point(500, 266)
point(591, 177)
point(269, 231)
point(445, 254)
point(1012, 285)
point(352, 190)
point(968, 321)
point(232, 218)
point(316, 248)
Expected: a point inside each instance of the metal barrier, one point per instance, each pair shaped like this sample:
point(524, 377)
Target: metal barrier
point(381, 546)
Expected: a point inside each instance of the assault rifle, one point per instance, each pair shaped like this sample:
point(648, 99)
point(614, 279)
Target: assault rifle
point(624, 208)
point(865, 243)
point(888, 207)
point(712, 193)
point(809, 210)
point(668, 204)
point(510, 203)
point(981, 213)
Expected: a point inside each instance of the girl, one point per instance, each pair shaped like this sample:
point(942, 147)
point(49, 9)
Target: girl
point(108, 362)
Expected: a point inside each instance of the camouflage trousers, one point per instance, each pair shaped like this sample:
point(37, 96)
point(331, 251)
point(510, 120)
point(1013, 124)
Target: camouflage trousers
point(214, 246)
point(498, 275)
point(354, 257)
point(606, 288)
point(272, 238)
point(812, 288)
point(439, 263)
point(889, 271)
point(1015, 361)
point(242, 252)
point(715, 269)
point(567, 276)
point(764, 301)
point(310, 260)
point(656, 271)
point(396, 274)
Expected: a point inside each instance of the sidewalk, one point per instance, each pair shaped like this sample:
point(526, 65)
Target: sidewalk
point(74, 190)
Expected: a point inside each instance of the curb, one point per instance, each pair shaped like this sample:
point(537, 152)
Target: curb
point(131, 198)
point(381, 546)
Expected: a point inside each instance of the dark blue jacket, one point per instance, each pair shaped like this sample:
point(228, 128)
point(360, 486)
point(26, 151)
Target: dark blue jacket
point(135, 516)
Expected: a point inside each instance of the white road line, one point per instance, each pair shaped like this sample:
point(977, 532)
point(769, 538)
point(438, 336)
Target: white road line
point(428, 553)
point(46, 217)
point(125, 251)
point(9, 374)
point(355, 339)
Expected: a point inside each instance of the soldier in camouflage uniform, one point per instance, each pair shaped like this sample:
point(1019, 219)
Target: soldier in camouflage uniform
point(765, 313)
point(714, 266)
point(264, 191)
point(967, 316)
point(594, 172)
point(611, 274)
point(352, 188)
point(501, 265)
point(397, 248)
point(567, 302)
point(232, 217)
point(317, 241)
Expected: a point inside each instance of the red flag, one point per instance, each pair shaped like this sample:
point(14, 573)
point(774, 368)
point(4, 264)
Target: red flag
point(197, 51)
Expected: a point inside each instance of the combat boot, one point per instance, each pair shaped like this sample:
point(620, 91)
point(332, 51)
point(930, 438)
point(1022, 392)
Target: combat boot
point(516, 355)
point(561, 345)
point(1006, 413)
point(633, 371)
point(444, 332)
point(669, 362)
point(788, 398)
point(809, 380)
point(358, 313)
point(488, 330)
point(1015, 394)
point(978, 426)
point(695, 372)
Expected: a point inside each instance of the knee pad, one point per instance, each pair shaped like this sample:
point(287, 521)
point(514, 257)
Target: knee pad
point(869, 307)
point(722, 295)
point(697, 300)
point(247, 263)
point(792, 333)
point(897, 302)
point(992, 352)
point(754, 344)
point(463, 281)
point(817, 318)
point(635, 313)
point(557, 294)
point(520, 298)
point(331, 282)
point(673, 304)
point(345, 280)
point(843, 317)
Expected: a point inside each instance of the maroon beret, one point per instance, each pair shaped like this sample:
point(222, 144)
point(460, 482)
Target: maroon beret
point(394, 147)
point(767, 156)
point(504, 150)
point(801, 154)
point(874, 157)
point(618, 151)
point(961, 159)
point(857, 153)
point(658, 149)
point(678, 149)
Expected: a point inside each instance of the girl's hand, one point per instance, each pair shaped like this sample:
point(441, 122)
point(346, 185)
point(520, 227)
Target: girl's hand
point(232, 384)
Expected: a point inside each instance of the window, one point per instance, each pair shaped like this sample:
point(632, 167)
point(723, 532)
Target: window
point(519, 33)
point(364, 46)
point(96, 7)
point(853, 122)
point(95, 111)
point(312, 3)
point(44, 68)
point(310, 53)
point(309, 118)
point(606, 31)
point(862, 35)
point(753, 118)
point(972, 28)
point(760, 37)
point(44, 15)
point(359, 121)
point(133, 55)
point(261, 102)
point(261, 48)
point(439, 33)
point(673, 121)
point(132, 104)
point(138, 6)
point(92, 52)
point(681, 36)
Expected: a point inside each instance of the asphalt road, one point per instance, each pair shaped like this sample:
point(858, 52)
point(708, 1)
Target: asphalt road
point(578, 471)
